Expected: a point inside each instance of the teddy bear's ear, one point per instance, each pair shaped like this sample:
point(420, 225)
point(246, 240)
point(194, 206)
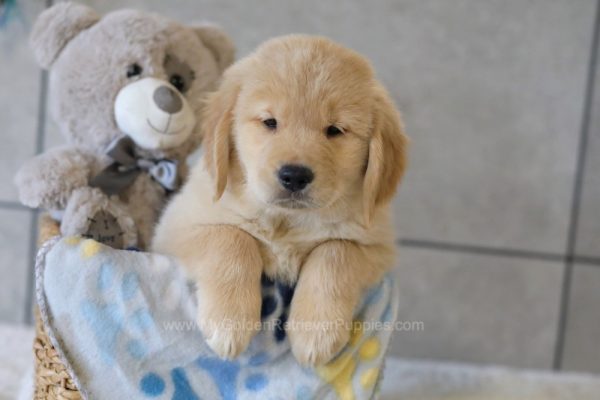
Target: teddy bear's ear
point(218, 42)
point(56, 26)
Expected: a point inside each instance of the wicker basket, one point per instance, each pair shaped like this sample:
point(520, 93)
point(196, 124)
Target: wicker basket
point(52, 381)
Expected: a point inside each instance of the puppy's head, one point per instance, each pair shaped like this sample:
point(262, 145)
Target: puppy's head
point(308, 125)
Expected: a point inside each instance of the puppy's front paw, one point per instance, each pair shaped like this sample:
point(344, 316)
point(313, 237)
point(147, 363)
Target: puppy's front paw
point(229, 324)
point(315, 335)
point(228, 343)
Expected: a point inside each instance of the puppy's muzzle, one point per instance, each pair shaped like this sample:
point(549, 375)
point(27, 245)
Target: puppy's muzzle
point(295, 178)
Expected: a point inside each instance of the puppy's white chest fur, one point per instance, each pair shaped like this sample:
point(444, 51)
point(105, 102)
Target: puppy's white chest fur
point(283, 244)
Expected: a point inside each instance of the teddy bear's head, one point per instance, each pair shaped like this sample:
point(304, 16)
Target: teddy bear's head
point(129, 72)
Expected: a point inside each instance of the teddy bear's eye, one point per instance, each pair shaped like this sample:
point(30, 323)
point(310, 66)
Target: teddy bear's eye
point(179, 73)
point(133, 70)
point(177, 81)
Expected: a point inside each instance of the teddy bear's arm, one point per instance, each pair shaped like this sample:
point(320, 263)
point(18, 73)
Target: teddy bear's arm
point(48, 179)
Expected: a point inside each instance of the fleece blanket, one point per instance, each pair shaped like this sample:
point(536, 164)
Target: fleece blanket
point(123, 322)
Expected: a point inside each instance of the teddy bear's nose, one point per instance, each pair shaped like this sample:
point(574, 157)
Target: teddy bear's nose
point(167, 99)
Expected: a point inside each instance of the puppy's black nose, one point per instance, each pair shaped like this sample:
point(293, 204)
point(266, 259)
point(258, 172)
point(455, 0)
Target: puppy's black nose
point(295, 177)
point(167, 99)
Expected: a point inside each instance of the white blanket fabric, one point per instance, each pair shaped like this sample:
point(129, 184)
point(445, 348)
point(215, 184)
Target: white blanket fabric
point(403, 379)
point(134, 312)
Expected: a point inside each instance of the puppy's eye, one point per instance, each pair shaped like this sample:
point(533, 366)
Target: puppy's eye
point(177, 81)
point(133, 70)
point(270, 123)
point(333, 131)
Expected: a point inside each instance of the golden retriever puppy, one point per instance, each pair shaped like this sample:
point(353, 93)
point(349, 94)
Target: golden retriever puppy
point(303, 152)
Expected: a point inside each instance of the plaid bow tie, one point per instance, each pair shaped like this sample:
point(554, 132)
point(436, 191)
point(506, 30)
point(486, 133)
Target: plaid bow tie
point(127, 165)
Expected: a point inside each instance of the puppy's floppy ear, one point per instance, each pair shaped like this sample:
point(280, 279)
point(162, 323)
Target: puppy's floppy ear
point(56, 26)
point(387, 154)
point(217, 125)
point(218, 42)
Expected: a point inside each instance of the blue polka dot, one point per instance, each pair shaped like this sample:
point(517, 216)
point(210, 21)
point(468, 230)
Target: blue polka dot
point(183, 390)
point(286, 292)
point(224, 374)
point(142, 320)
point(259, 359)
point(136, 349)
point(105, 276)
point(269, 304)
point(130, 285)
point(152, 385)
point(280, 327)
point(106, 322)
point(256, 382)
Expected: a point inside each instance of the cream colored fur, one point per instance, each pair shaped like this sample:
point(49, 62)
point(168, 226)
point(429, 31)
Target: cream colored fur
point(230, 224)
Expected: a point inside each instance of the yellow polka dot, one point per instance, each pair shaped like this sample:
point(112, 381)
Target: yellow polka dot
point(345, 392)
point(369, 378)
point(339, 374)
point(73, 240)
point(90, 248)
point(333, 369)
point(370, 349)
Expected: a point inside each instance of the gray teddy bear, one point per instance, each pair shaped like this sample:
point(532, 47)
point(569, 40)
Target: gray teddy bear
point(126, 90)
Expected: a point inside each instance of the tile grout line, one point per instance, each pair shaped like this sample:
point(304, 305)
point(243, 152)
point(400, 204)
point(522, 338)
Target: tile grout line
point(12, 205)
point(33, 227)
point(577, 193)
point(589, 260)
point(483, 250)
point(493, 251)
